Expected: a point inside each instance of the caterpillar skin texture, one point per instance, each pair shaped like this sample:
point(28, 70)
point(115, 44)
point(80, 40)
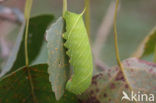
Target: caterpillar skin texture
point(79, 52)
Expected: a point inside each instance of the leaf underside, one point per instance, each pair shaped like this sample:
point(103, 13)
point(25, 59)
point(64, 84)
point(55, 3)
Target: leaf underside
point(57, 60)
point(108, 87)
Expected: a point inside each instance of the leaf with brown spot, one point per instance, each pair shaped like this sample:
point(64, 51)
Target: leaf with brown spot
point(57, 60)
point(30, 85)
point(141, 76)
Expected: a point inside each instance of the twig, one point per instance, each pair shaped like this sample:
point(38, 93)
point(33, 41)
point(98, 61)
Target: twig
point(9, 18)
point(27, 14)
point(5, 28)
point(116, 38)
point(4, 47)
point(116, 45)
point(104, 30)
point(1, 1)
point(101, 65)
point(11, 14)
point(64, 6)
point(87, 16)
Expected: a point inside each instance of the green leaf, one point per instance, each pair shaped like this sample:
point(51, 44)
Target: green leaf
point(147, 47)
point(57, 59)
point(37, 28)
point(108, 87)
point(15, 51)
point(43, 55)
point(30, 85)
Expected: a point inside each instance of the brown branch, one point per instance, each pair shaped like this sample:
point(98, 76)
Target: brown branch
point(101, 65)
point(5, 49)
point(11, 15)
point(9, 18)
point(104, 30)
point(1, 1)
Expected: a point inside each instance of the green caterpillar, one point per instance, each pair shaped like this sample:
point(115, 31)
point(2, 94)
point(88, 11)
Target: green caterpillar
point(79, 52)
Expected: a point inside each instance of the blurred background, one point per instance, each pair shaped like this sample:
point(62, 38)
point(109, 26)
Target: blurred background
point(136, 18)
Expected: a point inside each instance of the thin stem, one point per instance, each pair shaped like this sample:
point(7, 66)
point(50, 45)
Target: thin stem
point(64, 6)
point(155, 54)
point(27, 16)
point(26, 46)
point(116, 45)
point(116, 38)
point(87, 16)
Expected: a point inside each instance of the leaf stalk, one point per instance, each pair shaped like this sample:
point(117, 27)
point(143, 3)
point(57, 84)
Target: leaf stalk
point(116, 44)
point(27, 12)
point(87, 16)
point(64, 6)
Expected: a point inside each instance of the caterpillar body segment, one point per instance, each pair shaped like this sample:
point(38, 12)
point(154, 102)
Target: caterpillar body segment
point(79, 52)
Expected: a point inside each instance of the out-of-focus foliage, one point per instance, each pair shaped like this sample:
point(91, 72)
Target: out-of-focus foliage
point(32, 84)
point(107, 87)
point(37, 28)
point(134, 22)
point(148, 46)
